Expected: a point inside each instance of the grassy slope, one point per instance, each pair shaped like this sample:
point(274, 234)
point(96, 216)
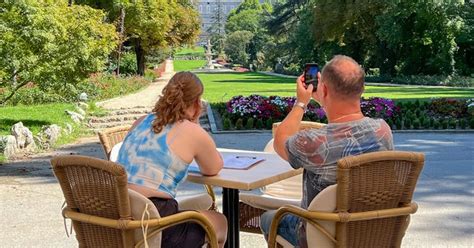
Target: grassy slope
point(34, 117)
point(190, 51)
point(219, 87)
point(188, 65)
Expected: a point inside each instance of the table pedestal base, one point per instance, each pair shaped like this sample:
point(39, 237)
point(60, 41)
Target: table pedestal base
point(230, 206)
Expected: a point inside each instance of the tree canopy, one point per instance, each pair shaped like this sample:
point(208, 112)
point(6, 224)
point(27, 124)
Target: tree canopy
point(50, 44)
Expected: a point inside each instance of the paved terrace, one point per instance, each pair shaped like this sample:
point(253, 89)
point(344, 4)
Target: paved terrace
point(31, 198)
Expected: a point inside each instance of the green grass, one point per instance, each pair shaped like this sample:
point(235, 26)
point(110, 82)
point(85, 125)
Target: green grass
point(188, 65)
point(36, 116)
point(190, 51)
point(220, 87)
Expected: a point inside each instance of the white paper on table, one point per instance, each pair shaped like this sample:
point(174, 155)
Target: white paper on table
point(236, 162)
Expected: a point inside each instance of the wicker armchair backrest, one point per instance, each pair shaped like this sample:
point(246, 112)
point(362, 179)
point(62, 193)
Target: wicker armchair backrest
point(374, 181)
point(96, 187)
point(111, 136)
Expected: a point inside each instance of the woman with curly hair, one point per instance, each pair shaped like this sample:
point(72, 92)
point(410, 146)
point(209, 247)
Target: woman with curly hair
point(158, 150)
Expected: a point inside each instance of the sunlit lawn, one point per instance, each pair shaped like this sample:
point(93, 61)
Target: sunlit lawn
point(220, 87)
point(190, 51)
point(34, 117)
point(188, 65)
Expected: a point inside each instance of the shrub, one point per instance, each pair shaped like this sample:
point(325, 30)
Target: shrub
point(452, 123)
point(398, 123)
point(432, 120)
point(259, 124)
point(377, 107)
point(471, 123)
point(416, 123)
point(425, 123)
point(269, 123)
point(445, 107)
point(436, 124)
point(445, 124)
point(463, 123)
point(249, 124)
point(408, 123)
point(239, 124)
point(226, 124)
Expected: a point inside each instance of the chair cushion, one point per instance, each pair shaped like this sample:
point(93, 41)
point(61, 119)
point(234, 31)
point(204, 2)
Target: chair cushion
point(194, 202)
point(267, 202)
point(325, 201)
point(137, 205)
point(115, 152)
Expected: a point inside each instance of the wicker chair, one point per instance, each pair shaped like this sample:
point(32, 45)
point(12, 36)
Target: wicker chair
point(275, 195)
point(105, 213)
point(369, 207)
point(111, 136)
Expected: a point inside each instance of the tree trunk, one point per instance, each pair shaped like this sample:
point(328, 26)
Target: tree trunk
point(121, 38)
point(140, 58)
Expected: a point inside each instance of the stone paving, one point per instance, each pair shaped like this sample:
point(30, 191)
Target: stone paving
point(31, 198)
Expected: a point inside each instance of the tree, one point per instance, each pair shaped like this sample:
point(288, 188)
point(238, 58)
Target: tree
point(50, 44)
point(216, 30)
point(152, 25)
point(250, 16)
point(237, 46)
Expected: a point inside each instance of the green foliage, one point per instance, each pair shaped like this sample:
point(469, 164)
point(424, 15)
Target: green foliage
point(250, 16)
point(259, 124)
point(236, 46)
point(416, 123)
point(269, 123)
point(436, 124)
point(452, 123)
point(463, 123)
point(407, 123)
point(449, 107)
point(239, 124)
point(226, 124)
point(128, 64)
point(51, 44)
point(471, 123)
point(445, 124)
point(151, 26)
point(425, 123)
point(249, 124)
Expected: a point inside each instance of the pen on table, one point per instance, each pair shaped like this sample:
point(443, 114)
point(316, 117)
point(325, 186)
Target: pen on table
point(246, 157)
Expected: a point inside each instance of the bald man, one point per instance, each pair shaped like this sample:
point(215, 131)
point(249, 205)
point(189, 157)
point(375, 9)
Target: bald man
point(348, 132)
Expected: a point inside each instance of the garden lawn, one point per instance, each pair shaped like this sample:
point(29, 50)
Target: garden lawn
point(220, 87)
point(188, 65)
point(194, 51)
point(36, 116)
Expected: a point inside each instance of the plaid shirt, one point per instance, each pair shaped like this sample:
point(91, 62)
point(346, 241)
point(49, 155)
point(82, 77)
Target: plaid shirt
point(318, 150)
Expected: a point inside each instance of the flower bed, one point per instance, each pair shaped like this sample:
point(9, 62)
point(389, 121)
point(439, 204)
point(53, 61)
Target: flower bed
point(259, 112)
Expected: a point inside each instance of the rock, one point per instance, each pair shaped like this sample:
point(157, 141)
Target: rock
point(75, 116)
point(83, 97)
point(83, 105)
point(80, 111)
point(8, 145)
point(52, 133)
point(23, 136)
point(68, 129)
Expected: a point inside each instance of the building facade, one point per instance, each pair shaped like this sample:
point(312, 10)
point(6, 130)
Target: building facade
point(212, 11)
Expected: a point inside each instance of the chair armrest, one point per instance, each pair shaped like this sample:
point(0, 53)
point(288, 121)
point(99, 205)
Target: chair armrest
point(211, 193)
point(266, 202)
point(312, 216)
point(158, 224)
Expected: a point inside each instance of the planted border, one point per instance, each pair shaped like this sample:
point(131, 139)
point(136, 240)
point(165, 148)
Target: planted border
point(260, 112)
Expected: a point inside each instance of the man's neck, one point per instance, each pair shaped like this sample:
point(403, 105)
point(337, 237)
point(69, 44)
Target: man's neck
point(343, 112)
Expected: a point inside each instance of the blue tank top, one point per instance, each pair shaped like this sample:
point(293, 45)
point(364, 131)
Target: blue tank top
point(148, 160)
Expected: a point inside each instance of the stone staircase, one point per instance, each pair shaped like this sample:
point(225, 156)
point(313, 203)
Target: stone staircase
point(126, 116)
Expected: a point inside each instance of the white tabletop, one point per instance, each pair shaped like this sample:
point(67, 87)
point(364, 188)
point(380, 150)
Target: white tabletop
point(273, 169)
